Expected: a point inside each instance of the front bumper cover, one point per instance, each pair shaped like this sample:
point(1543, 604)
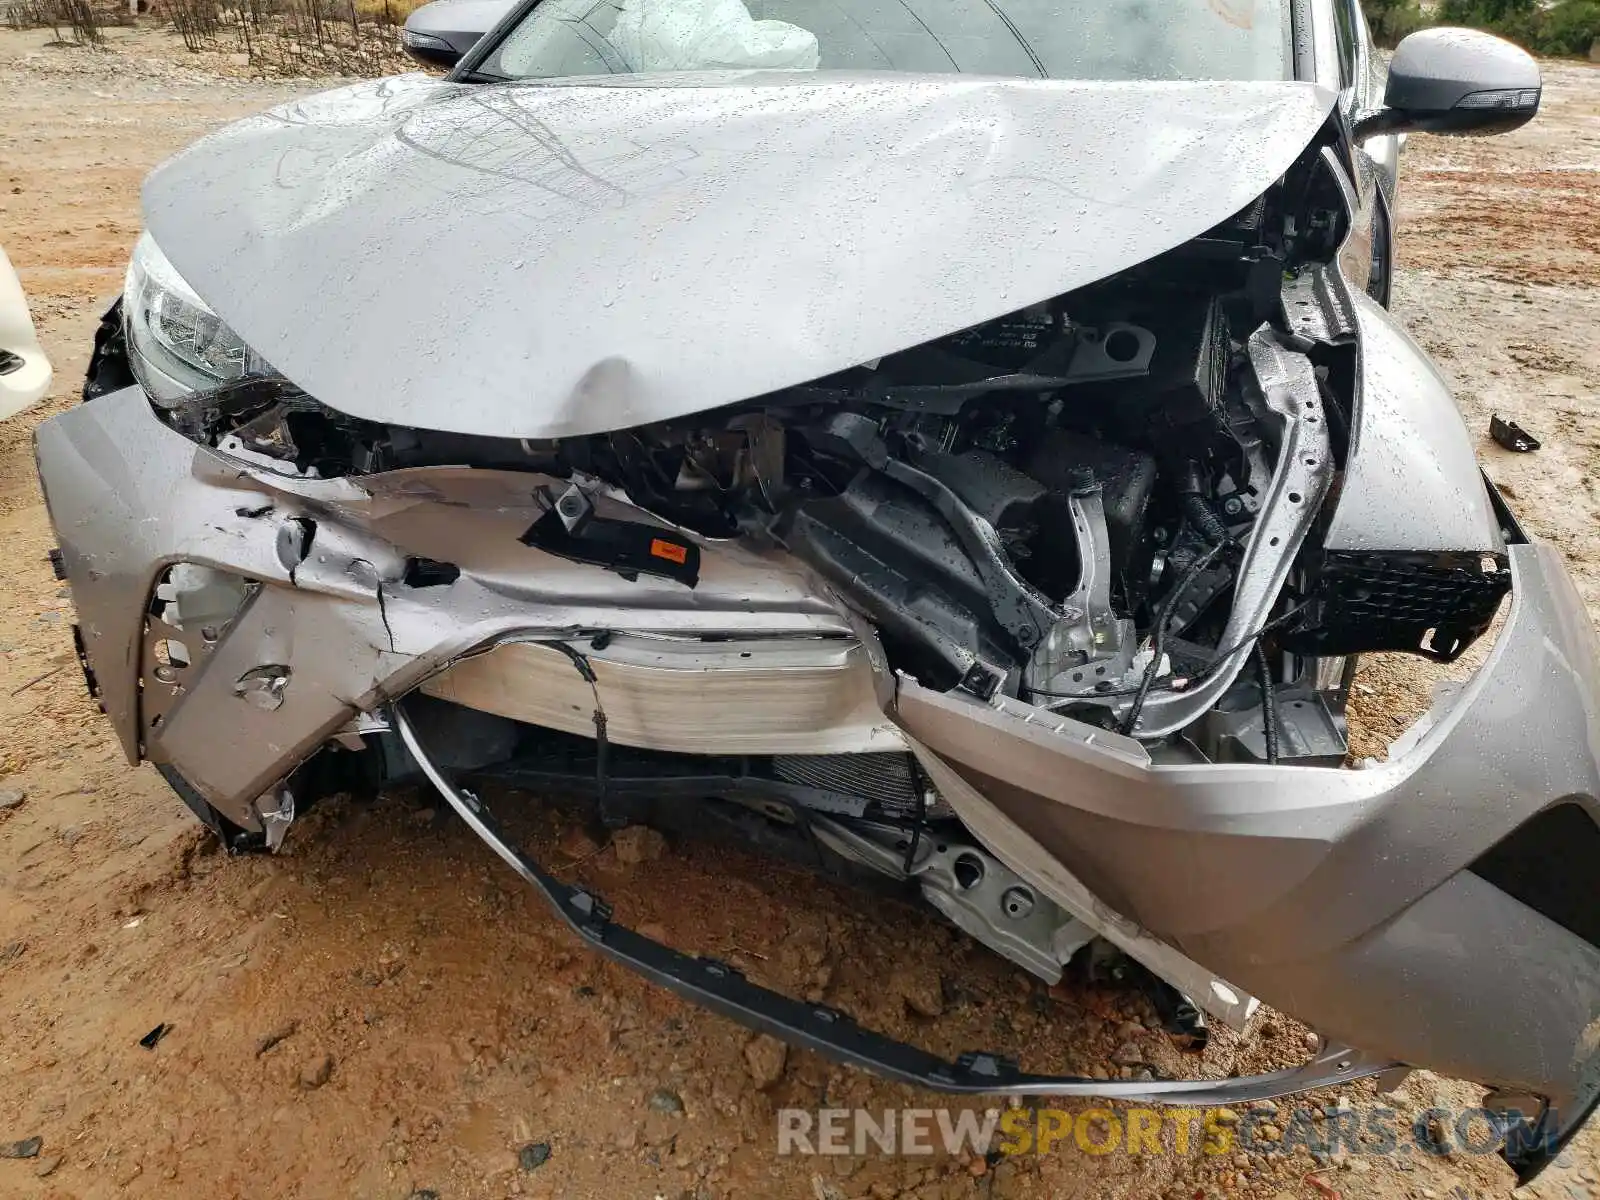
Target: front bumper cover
point(1340, 896)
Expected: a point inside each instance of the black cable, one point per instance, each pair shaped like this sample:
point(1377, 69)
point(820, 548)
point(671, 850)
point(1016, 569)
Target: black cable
point(1197, 506)
point(1206, 519)
point(1269, 704)
point(916, 832)
point(1163, 618)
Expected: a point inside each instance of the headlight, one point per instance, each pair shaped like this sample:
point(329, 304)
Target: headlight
point(176, 344)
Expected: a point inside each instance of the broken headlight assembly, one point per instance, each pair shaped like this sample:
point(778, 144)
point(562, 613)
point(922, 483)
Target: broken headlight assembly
point(176, 345)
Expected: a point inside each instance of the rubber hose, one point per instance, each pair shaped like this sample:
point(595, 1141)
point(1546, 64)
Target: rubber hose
point(1206, 520)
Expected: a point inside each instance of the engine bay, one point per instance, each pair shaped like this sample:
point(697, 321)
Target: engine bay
point(1056, 506)
point(1014, 507)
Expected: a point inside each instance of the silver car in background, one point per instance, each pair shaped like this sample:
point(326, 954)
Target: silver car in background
point(959, 443)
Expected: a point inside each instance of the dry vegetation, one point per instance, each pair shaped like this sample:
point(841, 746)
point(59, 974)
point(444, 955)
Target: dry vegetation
point(286, 38)
point(77, 22)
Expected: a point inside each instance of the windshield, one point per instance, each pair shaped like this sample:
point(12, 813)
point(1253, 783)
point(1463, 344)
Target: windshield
point(1055, 39)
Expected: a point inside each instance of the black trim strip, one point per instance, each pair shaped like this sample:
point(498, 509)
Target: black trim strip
point(1545, 1142)
point(1510, 528)
point(721, 988)
point(1302, 40)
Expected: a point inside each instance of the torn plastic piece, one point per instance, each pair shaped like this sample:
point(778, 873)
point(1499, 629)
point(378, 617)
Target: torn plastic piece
point(1392, 1080)
point(276, 810)
point(1511, 435)
point(629, 548)
point(149, 1040)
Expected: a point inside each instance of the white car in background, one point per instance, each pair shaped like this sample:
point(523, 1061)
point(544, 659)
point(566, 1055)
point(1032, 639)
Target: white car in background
point(24, 370)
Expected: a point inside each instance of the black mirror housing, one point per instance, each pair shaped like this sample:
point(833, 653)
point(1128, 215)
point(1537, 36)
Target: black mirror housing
point(1460, 81)
point(428, 49)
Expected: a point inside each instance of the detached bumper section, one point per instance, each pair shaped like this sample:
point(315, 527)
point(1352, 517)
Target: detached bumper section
point(724, 990)
point(1365, 902)
point(333, 614)
point(1346, 897)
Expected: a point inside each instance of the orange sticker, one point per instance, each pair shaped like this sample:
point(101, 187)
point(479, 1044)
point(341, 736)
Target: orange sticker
point(669, 551)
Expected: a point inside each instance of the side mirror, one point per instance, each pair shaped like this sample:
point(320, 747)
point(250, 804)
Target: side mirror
point(441, 32)
point(1456, 81)
point(427, 48)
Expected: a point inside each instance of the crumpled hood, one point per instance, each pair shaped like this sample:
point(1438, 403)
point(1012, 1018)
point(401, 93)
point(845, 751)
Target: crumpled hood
point(556, 260)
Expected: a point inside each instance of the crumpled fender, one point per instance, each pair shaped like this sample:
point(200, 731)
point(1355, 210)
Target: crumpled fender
point(1413, 481)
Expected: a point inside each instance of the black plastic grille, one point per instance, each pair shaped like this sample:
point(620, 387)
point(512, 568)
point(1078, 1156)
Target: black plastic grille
point(1435, 605)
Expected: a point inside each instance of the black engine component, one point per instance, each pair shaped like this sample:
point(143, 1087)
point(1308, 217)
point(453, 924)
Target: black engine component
point(1030, 517)
point(1019, 609)
point(902, 565)
point(1185, 386)
point(999, 493)
point(1127, 479)
point(1434, 605)
point(630, 548)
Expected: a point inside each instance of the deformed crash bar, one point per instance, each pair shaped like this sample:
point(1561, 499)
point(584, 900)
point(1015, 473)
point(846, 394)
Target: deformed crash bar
point(721, 988)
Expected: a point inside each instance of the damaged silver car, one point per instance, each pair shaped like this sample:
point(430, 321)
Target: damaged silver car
point(957, 443)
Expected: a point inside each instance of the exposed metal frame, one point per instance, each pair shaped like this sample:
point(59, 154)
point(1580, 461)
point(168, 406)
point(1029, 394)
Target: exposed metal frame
point(1300, 481)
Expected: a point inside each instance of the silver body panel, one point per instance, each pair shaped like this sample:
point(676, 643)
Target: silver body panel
point(638, 249)
point(1287, 880)
point(1413, 482)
